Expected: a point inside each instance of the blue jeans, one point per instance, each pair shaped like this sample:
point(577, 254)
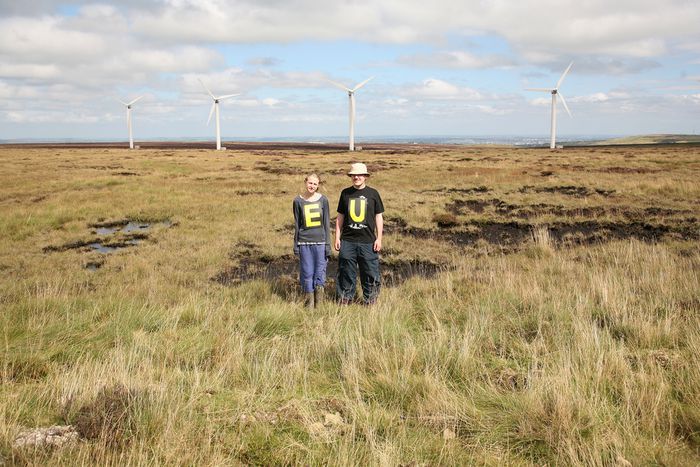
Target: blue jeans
point(351, 256)
point(312, 266)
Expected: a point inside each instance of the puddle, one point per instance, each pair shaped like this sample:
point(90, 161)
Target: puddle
point(126, 226)
point(93, 265)
point(113, 236)
point(112, 247)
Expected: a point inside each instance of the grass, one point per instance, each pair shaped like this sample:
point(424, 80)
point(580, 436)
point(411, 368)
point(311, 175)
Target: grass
point(563, 328)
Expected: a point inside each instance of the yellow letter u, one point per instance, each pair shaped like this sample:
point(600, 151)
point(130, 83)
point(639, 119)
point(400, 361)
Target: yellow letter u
point(363, 207)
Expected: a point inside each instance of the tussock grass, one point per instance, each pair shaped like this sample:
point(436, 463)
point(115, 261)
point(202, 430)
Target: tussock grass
point(545, 352)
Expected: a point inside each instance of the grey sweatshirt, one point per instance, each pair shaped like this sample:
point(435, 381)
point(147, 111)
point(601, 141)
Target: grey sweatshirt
point(312, 225)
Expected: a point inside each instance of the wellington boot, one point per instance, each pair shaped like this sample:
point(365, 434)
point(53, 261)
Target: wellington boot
point(309, 299)
point(319, 293)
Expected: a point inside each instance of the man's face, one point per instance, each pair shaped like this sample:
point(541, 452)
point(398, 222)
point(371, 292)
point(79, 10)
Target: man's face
point(358, 181)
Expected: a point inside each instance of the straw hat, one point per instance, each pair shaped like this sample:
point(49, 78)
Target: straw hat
point(358, 168)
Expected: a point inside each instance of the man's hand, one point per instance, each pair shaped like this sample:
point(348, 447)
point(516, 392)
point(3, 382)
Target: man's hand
point(377, 245)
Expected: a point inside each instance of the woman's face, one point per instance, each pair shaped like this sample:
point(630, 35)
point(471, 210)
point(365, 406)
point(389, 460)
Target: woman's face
point(312, 185)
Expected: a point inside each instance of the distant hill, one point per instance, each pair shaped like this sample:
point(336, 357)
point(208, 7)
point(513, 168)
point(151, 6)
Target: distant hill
point(651, 139)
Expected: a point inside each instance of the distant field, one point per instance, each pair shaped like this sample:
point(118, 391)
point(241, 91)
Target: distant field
point(538, 308)
point(655, 139)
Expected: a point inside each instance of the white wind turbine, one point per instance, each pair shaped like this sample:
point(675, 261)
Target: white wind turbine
point(555, 92)
point(215, 106)
point(128, 119)
point(351, 95)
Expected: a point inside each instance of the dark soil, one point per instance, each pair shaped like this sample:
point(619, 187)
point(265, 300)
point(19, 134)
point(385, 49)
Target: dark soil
point(283, 270)
point(570, 190)
point(511, 235)
point(464, 191)
point(279, 170)
point(498, 206)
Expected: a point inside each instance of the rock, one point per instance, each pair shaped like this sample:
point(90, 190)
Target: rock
point(448, 434)
point(54, 436)
point(333, 419)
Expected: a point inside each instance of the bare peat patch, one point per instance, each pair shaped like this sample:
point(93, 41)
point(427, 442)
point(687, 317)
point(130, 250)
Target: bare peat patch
point(278, 170)
point(511, 236)
point(569, 190)
point(527, 211)
point(463, 191)
point(283, 271)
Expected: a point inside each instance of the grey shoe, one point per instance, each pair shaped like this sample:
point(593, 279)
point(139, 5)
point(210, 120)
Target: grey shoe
point(319, 294)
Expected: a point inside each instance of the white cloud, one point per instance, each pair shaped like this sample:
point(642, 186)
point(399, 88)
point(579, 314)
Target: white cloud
point(455, 59)
point(433, 88)
point(56, 56)
point(45, 40)
point(596, 97)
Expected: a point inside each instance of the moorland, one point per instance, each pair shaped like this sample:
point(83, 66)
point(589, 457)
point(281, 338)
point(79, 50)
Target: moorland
point(538, 308)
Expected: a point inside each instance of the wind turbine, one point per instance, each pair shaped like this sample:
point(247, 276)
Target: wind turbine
point(215, 106)
point(555, 92)
point(128, 119)
point(351, 95)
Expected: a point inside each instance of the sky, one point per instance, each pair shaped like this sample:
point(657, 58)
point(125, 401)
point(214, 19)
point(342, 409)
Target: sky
point(440, 67)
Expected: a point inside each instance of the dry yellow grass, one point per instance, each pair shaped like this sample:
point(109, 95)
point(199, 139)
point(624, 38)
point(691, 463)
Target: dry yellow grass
point(558, 323)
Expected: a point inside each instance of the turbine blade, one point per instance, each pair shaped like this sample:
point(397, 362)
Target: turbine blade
point(134, 101)
point(228, 95)
point(206, 88)
point(211, 112)
point(122, 102)
point(563, 75)
point(563, 101)
point(539, 89)
point(362, 83)
point(338, 85)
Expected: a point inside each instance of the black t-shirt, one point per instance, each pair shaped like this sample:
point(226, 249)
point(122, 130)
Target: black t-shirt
point(359, 208)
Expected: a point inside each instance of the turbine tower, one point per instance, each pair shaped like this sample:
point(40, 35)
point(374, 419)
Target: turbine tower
point(128, 119)
point(555, 92)
point(351, 96)
point(215, 106)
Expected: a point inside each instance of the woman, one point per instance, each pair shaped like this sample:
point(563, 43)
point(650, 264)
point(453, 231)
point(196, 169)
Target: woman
point(312, 240)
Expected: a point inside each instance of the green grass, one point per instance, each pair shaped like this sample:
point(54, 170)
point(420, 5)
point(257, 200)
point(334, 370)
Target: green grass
point(533, 352)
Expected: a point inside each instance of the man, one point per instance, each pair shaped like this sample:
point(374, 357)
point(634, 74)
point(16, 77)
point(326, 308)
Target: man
point(358, 238)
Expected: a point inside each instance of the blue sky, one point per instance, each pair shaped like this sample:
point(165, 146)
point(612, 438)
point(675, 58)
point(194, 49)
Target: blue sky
point(441, 68)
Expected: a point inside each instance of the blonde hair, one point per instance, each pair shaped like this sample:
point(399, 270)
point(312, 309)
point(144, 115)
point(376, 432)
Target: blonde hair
point(313, 175)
